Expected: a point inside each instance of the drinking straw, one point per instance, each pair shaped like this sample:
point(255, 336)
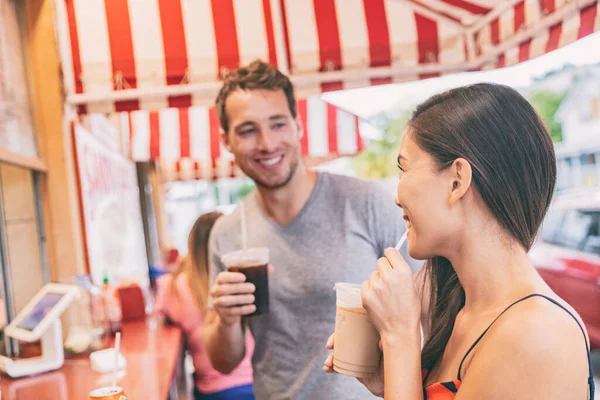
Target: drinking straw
point(244, 233)
point(401, 241)
point(116, 359)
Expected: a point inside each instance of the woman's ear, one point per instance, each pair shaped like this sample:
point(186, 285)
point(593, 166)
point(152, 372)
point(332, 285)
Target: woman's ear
point(462, 176)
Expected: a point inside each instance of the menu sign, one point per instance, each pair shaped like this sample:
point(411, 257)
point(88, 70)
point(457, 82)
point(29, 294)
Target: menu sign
point(111, 211)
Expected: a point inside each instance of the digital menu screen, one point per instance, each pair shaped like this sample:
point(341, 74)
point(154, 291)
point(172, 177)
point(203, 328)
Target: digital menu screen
point(40, 310)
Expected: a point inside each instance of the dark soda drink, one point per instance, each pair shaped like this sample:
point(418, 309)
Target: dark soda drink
point(258, 275)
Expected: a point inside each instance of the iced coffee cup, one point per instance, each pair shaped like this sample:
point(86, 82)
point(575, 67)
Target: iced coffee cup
point(253, 264)
point(356, 350)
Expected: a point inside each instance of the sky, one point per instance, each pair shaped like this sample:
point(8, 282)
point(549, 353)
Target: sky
point(370, 101)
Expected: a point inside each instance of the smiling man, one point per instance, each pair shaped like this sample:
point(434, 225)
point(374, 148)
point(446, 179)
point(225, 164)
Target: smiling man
point(320, 229)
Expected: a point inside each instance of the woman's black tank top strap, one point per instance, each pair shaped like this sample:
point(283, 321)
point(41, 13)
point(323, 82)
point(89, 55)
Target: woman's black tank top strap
point(587, 348)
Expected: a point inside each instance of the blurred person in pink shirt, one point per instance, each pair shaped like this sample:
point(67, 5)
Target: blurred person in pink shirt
point(182, 298)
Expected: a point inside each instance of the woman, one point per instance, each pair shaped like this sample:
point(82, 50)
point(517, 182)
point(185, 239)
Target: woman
point(477, 176)
point(182, 298)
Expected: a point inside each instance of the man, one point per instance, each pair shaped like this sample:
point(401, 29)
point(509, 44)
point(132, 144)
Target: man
point(320, 229)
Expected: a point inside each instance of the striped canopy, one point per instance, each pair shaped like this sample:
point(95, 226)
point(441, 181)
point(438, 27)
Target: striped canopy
point(124, 55)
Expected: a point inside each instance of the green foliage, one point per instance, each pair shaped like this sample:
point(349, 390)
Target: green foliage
point(546, 104)
point(378, 159)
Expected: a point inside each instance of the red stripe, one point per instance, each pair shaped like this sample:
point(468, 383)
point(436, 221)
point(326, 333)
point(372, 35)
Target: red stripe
point(176, 57)
point(379, 37)
point(215, 148)
point(303, 112)
point(121, 48)
point(228, 53)
point(360, 145)
point(519, 19)
point(154, 135)
point(184, 133)
point(381, 81)
point(329, 34)
point(495, 31)
point(76, 54)
point(270, 32)
point(329, 41)
point(587, 18)
point(554, 37)
point(470, 7)
point(332, 128)
point(197, 171)
point(501, 61)
point(288, 53)
point(427, 33)
point(524, 50)
point(332, 86)
point(548, 6)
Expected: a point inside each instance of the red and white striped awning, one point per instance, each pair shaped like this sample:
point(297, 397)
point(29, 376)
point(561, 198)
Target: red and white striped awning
point(124, 55)
point(186, 140)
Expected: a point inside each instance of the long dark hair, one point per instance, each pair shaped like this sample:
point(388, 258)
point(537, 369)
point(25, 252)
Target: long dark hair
point(195, 264)
point(514, 171)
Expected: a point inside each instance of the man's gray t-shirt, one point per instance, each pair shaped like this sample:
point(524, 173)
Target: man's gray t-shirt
point(337, 237)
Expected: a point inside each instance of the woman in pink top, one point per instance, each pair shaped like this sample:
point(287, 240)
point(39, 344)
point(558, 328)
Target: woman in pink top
point(182, 298)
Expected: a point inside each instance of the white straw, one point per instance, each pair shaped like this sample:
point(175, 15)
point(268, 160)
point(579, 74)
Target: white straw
point(116, 360)
point(401, 241)
point(244, 233)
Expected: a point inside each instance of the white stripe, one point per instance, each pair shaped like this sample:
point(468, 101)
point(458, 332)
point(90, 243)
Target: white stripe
point(125, 133)
point(507, 24)
point(140, 146)
point(148, 49)
point(346, 132)
point(406, 78)
point(170, 132)
point(356, 84)
point(94, 48)
point(533, 12)
point(452, 45)
point(511, 56)
point(403, 34)
point(200, 135)
point(354, 36)
point(200, 41)
point(318, 141)
point(251, 31)
point(187, 169)
point(538, 44)
point(64, 46)
point(302, 30)
point(484, 39)
point(570, 29)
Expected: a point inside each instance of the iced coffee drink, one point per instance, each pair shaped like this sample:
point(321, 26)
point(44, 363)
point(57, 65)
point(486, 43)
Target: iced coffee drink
point(356, 351)
point(253, 264)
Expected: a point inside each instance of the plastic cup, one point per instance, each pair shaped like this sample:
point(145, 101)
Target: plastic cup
point(253, 264)
point(356, 350)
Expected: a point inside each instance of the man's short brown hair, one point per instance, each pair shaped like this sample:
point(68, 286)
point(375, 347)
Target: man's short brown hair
point(256, 75)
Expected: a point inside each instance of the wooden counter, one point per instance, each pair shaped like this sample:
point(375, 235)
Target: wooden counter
point(153, 354)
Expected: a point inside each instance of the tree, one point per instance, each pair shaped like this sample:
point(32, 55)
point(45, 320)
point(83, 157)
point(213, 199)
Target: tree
point(378, 159)
point(546, 104)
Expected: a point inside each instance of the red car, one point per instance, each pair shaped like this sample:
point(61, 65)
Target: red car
point(567, 255)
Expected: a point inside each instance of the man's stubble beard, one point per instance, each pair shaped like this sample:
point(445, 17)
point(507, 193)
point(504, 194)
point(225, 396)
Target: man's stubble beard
point(294, 163)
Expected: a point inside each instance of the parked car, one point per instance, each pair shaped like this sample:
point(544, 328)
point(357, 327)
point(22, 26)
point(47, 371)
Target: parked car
point(567, 255)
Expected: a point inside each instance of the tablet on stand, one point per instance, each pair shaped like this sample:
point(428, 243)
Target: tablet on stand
point(40, 319)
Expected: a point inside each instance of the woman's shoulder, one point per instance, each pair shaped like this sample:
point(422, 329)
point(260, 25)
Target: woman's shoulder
point(536, 347)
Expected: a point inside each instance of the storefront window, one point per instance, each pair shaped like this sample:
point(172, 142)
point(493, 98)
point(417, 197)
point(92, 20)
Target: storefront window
point(24, 270)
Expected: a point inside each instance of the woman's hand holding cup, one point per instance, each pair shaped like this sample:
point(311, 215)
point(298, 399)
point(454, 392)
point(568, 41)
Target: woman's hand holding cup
point(391, 299)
